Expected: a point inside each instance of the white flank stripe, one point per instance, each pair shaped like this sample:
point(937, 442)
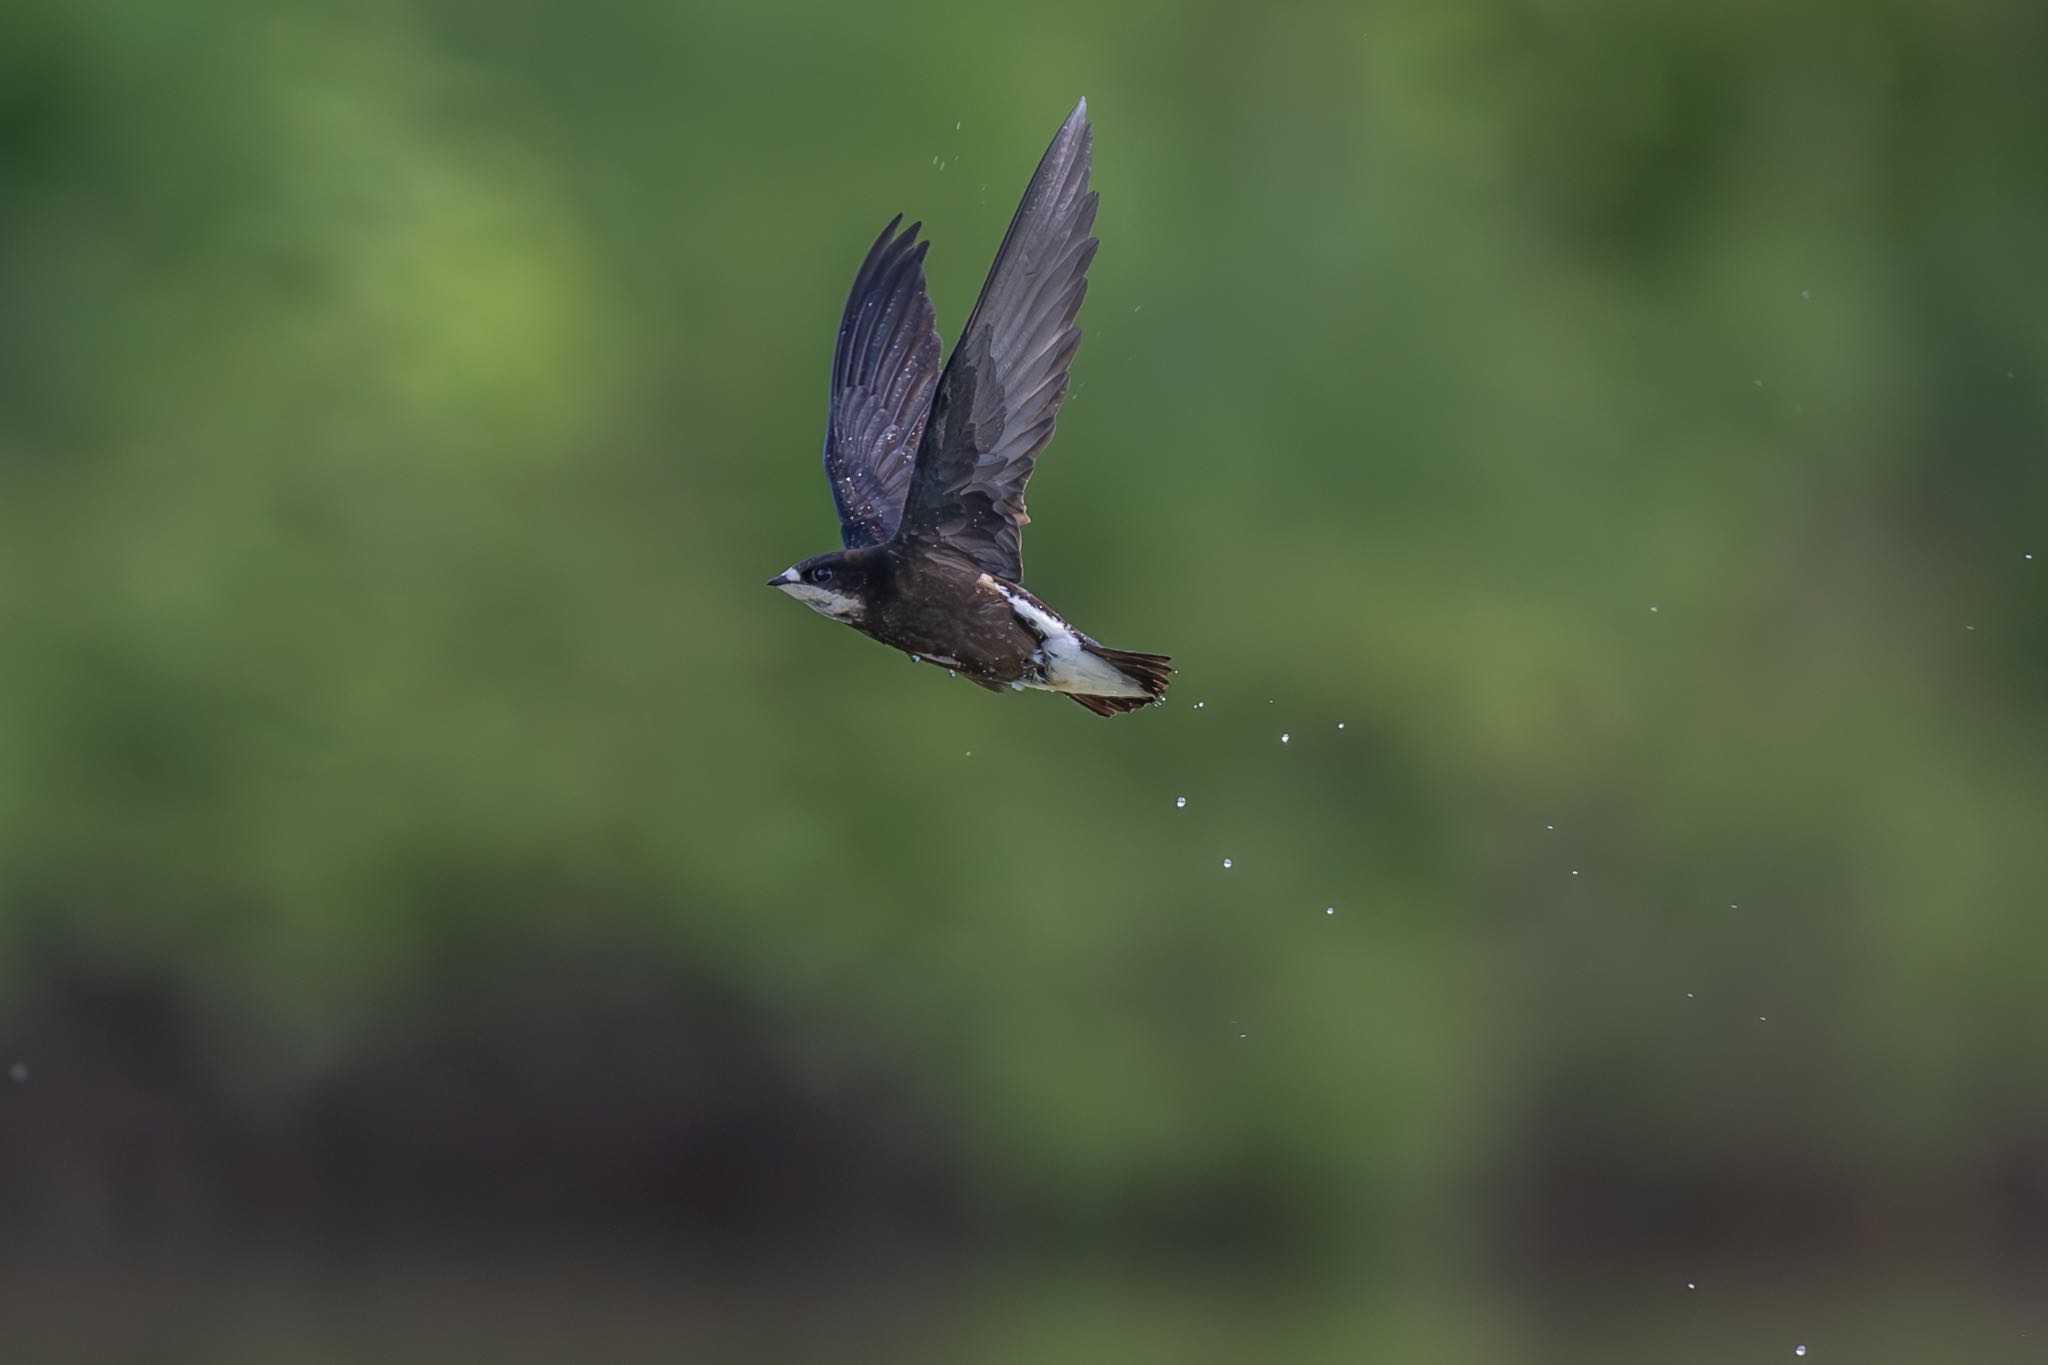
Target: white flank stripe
point(1069, 667)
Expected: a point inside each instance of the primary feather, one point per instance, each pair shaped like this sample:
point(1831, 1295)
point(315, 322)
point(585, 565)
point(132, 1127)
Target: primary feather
point(1001, 390)
point(884, 367)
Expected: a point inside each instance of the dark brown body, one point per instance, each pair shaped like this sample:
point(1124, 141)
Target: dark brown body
point(939, 607)
point(942, 608)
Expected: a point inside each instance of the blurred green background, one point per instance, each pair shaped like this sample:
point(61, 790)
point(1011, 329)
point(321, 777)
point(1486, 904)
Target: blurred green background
point(1586, 460)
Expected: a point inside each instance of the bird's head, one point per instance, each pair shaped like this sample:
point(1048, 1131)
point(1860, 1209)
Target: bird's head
point(835, 585)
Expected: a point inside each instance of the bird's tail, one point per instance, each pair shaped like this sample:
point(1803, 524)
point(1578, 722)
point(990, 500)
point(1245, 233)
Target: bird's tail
point(1148, 671)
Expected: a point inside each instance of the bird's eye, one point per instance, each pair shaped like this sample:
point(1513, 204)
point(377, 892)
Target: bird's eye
point(822, 574)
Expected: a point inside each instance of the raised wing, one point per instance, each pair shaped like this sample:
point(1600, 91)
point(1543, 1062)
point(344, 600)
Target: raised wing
point(883, 369)
point(1002, 388)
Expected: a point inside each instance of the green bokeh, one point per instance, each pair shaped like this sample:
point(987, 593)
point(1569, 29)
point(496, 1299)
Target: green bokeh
point(1605, 439)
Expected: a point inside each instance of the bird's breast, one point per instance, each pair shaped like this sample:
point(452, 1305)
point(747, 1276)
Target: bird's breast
point(953, 616)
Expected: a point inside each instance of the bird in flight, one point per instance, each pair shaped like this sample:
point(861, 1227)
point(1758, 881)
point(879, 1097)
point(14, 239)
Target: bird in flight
point(928, 466)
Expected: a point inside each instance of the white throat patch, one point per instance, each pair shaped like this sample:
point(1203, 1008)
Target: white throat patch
point(825, 601)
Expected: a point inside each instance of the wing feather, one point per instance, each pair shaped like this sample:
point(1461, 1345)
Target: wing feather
point(1000, 394)
point(884, 368)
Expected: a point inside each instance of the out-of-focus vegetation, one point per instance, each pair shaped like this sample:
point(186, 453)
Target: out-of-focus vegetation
point(1587, 460)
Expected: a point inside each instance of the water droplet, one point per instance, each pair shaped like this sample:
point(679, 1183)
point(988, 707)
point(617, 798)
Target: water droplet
point(1763, 1019)
point(956, 125)
point(1243, 1035)
point(1200, 704)
point(1329, 909)
point(1688, 995)
point(1284, 736)
point(1653, 611)
point(951, 674)
point(1226, 862)
point(1575, 872)
point(18, 1072)
point(1798, 1350)
point(1550, 827)
point(1759, 383)
point(2024, 556)
point(917, 658)
point(1806, 293)
point(1340, 724)
point(1690, 1285)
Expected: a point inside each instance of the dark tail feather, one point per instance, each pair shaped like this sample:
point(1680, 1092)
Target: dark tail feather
point(1149, 671)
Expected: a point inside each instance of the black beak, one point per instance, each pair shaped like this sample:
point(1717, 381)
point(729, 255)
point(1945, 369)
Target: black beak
point(783, 579)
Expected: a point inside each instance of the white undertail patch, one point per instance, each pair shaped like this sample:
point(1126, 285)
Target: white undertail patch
point(1067, 666)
